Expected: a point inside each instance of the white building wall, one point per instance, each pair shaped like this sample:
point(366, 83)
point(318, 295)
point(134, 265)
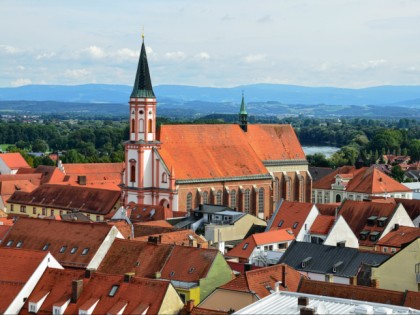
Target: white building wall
point(321, 277)
point(21, 297)
point(4, 169)
point(303, 233)
point(400, 217)
point(147, 168)
point(341, 231)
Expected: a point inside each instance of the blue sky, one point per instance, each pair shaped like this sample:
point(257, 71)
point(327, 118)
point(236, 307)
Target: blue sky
point(220, 43)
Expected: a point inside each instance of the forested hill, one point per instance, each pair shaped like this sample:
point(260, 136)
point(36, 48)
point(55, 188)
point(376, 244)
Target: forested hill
point(392, 96)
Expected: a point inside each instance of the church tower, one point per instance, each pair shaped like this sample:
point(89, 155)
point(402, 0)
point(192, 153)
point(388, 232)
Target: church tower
point(243, 115)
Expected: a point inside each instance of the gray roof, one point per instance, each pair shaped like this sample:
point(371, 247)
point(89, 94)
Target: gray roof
point(323, 259)
point(210, 208)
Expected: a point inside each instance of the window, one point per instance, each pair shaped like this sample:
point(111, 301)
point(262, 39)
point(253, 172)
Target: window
point(374, 236)
point(183, 297)
point(205, 197)
point(172, 273)
point(98, 218)
point(23, 209)
point(9, 243)
point(113, 290)
point(385, 249)
point(261, 200)
point(280, 223)
point(363, 235)
point(133, 173)
point(233, 199)
point(393, 250)
point(295, 225)
point(85, 251)
point(326, 197)
point(34, 210)
point(219, 197)
point(164, 177)
point(276, 190)
point(338, 198)
point(371, 220)
point(247, 200)
point(44, 211)
point(189, 201)
point(19, 244)
point(382, 221)
point(52, 212)
point(319, 197)
point(141, 125)
point(73, 250)
point(191, 270)
point(12, 208)
point(149, 126)
point(46, 246)
point(245, 246)
point(63, 249)
point(132, 125)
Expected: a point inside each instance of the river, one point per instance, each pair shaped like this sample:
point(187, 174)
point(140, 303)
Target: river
point(327, 151)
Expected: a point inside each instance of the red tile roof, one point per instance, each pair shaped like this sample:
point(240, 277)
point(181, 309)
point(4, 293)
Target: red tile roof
point(14, 160)
point(351, 292)
point(91, 200)
point(145, 213)
point(412, 299)
point(208, 151)
point(181, 237)
point(36, 233)
point(152, 227)
point(16, 269)
point(275, 142)
point(395, 238)
point(368, 180)
point(3, 231)
point(356, 214)
point(322, 224)
point(93, 168)
point(293, 215)
point(327, 208)
point(262, 280)
point(254, 240)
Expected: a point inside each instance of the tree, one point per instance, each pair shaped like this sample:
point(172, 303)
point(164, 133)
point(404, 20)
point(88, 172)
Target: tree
point(397, 173)
point(39, 146)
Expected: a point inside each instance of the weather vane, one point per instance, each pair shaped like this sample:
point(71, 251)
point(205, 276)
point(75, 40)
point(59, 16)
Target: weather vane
point(142, 33)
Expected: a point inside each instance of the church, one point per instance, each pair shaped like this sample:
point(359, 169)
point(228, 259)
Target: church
point(248, 167)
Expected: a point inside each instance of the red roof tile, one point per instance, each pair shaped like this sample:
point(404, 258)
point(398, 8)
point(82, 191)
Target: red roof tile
point(208, 151)
point(322, 224)
point(356, 214)
point(395, 238)
point(3, 231)
point(328, 208)
point(36, 233)
point(152, 227)
point(91, 200)
point(291, 215)
point(14, 160)
point(274, 236)
point(368, 180)
point(145, 213)
point(352, 292)
point(412, 299)
point(181, 237)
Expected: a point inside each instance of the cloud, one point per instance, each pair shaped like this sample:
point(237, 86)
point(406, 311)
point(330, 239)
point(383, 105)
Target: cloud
point(9, 49)
point(20, 67)
point(254, 58)
point(177, 55)
point(202, 56)
point(95, 52)
point(264, 19)
point(226, 18)
point(76, 73)
point(20, 82)
point(149, 50)
point(371, 64)
point(126, 53)
point(45, 55)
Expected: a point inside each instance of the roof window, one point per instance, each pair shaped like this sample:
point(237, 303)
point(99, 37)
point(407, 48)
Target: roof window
point(245, 246)
point(374, 236)
point(306, 262)
point(19, 244)
point(191, 270)
point(280, 223)
point(172, 273)
point(73, 250)
point(382, 221)
point(46, 246)
point(9, 243)
point(63, 249)
point(364, 234)
point(337, 265)
point(371, 220)
point(114, 290)
point(85, 251)
point(295, 225)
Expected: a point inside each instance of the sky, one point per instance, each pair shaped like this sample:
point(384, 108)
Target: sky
point(216, 43)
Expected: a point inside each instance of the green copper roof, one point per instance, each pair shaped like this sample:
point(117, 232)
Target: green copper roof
point(143, 84)
point(243, 110)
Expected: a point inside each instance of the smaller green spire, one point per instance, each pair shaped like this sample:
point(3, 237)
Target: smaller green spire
point(243, 110)
point(143, 84)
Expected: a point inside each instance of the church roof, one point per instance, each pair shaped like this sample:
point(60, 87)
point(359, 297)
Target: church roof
point(143, 84)
point(209, 152)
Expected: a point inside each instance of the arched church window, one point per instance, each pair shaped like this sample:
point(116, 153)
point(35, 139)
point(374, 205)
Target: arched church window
point(189, 201)
point(205, 197)
point(164, 177)
point(219, 197)
point(141, 125)
point(261, 200)
point(132, 173)
point(233, 199)
point(247, 200)
point(338, 198)
point(133, 123)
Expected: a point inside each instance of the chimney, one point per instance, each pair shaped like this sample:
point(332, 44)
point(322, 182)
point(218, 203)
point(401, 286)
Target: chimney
point(396, 226)
point(307, 311)
point(154, 239)
point(76, 290)
point(341, 244)
point(157, 275)
point(375, 283)
point(128, 276)
point(353, 280)
point(247, 267)
point(284, 273)
point(303, 301)
point(329, 277)
point(81, 179)
point(189, 306)
point(200, 206)
point(277, 286)
point(89, 272)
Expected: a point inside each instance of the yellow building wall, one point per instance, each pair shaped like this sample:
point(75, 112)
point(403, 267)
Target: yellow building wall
point(398, 272)
point(171, 303)
point(190, 294)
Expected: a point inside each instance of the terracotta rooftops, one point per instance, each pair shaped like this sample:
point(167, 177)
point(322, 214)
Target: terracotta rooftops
point(152, 227)
point(328, 208)
point(145, 259)
point(322, 224)
point(399, 236)
point(208, 152)
point(367, 219)
point(73, 244)
point(290, 215)
point(93, 168)
point(262, 281)
point(144, 213)
point(91, 200)
point(181, 237)
point(368, 180)
point(245, 248)
point(14, 161)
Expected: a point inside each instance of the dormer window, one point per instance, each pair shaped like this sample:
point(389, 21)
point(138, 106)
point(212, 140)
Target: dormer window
point(364, 234)
point(371, 220)
point(374, 236)
point(382, 221)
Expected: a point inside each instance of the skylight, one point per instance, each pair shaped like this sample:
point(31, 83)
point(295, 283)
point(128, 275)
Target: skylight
point(46, 246)
point(295, 225)
point(73, 250)
point(114, 290)
point(280, 223)
point(9, 243)
point(63, 249)
point(19, 244)
point(85, 251)
point(245, 246)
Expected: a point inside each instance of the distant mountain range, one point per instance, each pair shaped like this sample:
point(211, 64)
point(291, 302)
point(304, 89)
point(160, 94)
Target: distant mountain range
point(405, 96)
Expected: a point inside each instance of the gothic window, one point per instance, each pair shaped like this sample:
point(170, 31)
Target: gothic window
point(132, 125)
point(338, 198)
point(141, 125)
point(205, 197)
point(149, 126)
point(261, 200)
point(326, 197)
point(164, 177)
point(247, 200)
point(276, 190)
point(189, 201)
point(132, 173)
point(233, 199)
point(219, 197)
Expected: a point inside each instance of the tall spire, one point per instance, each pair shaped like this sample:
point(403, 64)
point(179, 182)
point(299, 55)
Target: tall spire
point(143, 83)
point(243, 115)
